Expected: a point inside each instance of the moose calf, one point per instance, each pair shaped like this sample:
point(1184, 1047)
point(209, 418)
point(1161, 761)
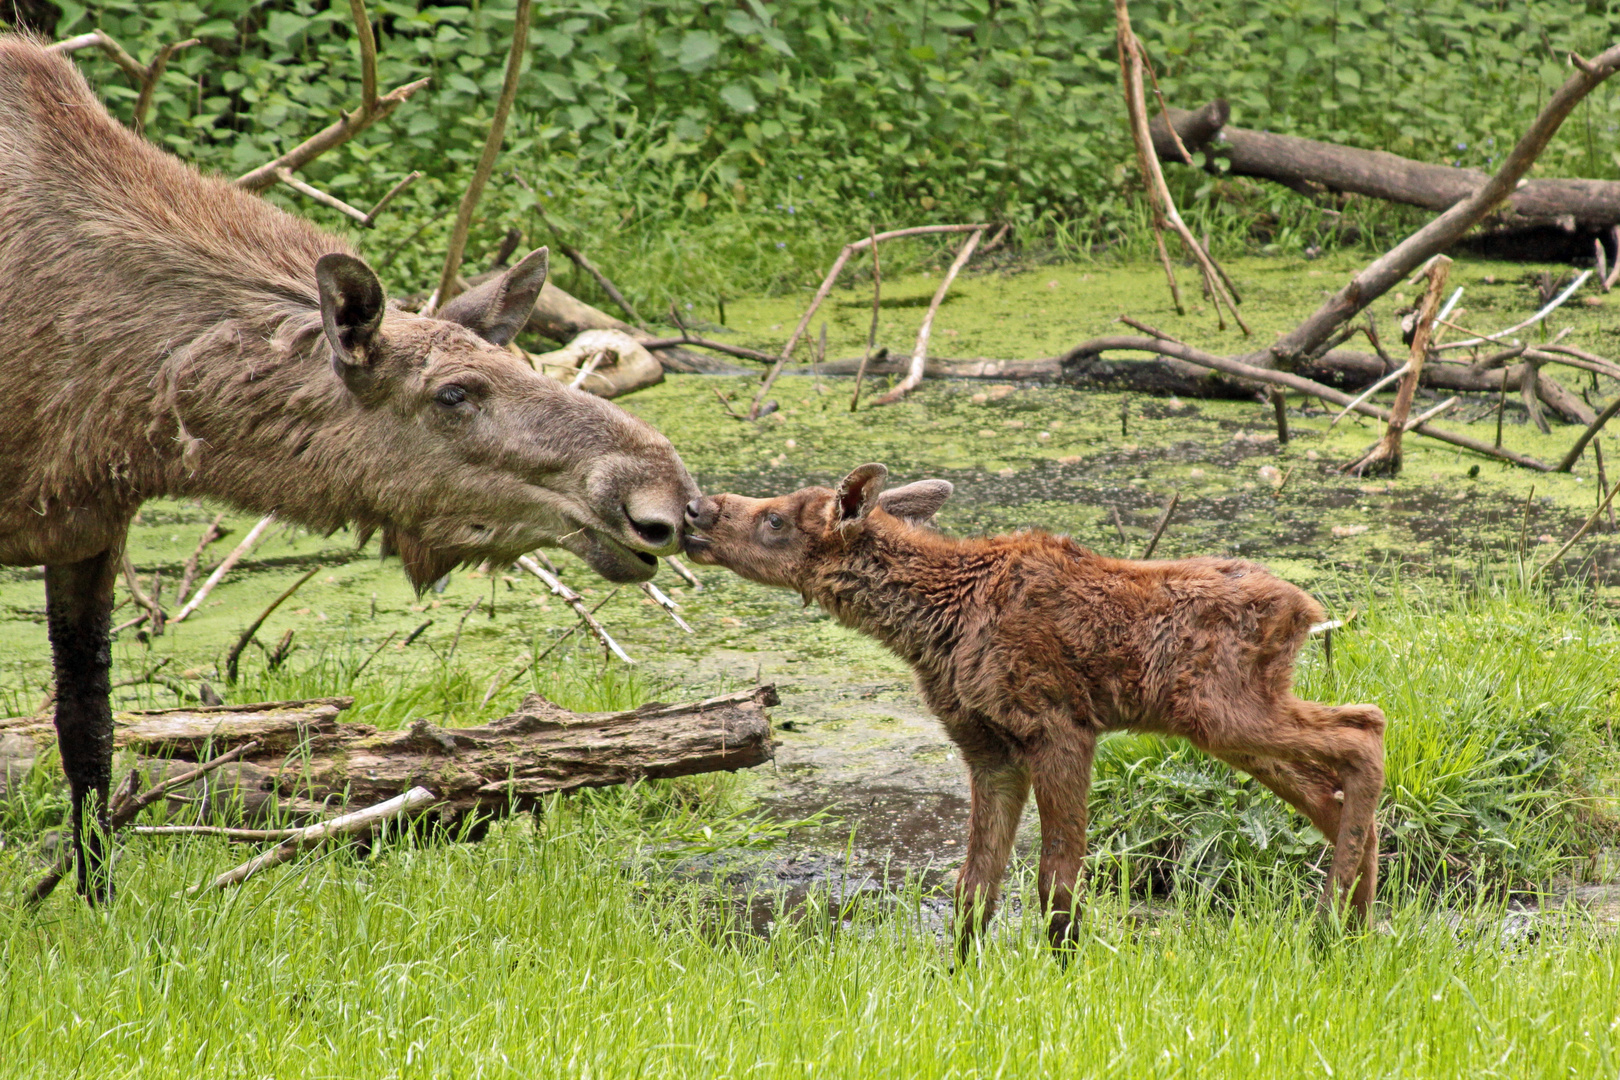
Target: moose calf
point(1028, 646)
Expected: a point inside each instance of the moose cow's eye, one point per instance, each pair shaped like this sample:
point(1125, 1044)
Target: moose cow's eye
point(450, 396)
point(773, 520)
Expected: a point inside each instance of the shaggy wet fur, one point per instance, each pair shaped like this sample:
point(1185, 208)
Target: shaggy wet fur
point(164, 333)
point(1028, 646)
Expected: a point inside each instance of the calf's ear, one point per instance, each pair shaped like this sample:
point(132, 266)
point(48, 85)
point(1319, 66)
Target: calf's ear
point(857, 494)
point(497, 309)
point(916, 503)
point(352, 305)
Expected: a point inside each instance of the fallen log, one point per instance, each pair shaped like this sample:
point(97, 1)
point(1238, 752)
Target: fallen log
point(307, 762)
point(1310, 166)
point(1089, 366)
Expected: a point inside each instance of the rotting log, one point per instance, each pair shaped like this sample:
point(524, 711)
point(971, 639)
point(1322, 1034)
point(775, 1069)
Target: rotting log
point(1310, 166)
point(308, 761)
point(1090, 367)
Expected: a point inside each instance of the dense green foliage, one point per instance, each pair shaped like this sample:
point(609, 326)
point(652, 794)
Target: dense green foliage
point(708, 148)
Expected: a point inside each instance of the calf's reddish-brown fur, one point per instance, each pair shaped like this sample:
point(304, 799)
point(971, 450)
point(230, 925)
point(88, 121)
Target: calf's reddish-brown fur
point(1028, 646)
point(164, 333)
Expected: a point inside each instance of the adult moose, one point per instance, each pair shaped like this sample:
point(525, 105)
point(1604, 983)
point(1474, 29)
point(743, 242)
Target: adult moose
point(1028, 647)
point(163, 333)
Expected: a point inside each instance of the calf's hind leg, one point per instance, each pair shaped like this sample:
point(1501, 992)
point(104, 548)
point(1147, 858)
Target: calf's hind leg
point(1309, 754)
point(78, 605)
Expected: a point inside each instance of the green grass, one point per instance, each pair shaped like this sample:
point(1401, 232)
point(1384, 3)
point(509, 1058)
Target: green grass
point(540, 953)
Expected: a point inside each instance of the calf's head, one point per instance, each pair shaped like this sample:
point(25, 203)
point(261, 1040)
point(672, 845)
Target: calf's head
point(459, 451)
point(788, 540)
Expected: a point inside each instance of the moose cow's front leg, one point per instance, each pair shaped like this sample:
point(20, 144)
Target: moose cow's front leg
point(1060, 771)
point(78, 602)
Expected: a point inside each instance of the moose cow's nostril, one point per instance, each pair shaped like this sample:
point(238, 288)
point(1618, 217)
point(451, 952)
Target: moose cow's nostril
point(657, 533)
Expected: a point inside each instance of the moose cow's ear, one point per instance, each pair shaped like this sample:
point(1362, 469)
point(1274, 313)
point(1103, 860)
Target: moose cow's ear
point(497, 309)
point(857, 494)
point(351, 307)
point(916, 503)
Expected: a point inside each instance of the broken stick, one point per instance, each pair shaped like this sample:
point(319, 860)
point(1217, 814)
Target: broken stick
point(919, 352)
point(347, 825)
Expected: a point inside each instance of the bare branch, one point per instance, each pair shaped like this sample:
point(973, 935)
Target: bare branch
point(366, 220)
point(572, 599)
point(919, 353)
point(871, 333)
point(448, 281)
point(368, 55)
point(149, 81)
point(1131, 63)
point(827, 284)
point(235, 654)
point(347, 825)
point(1443, 231)
point(336, 134)
point(224, 567)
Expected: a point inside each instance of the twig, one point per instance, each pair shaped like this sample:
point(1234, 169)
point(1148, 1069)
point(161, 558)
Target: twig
point(492, 148)
point(154, 612)
point(666, 603)
point(1233, 366)
point(577, 257)
point(368, 54)
point(461, 623)
point(346, 825)
point(414, 634)
point(725, 404)
point(1551, 306)
point(685, 574)
point(126, 810)
point(740, 351)
point(243, 835)
point(188, 574)
point(1279, 405)
point(1131, 62)
point(1603, 481)
point(827, 284)
point(1119, 526)
point(919, 352)
point(149, 675)
point(1369, 392)
point(871, 333)
point(1582, 531)
point(1151, 330)
point(149, 81)
point(1592, 429)
point(588, 367)
point(1602, 263)
point(235, 654)
point(224, 567)
point(1424, 418)
point(364, 663)
point(1164, 519)
point(336, 134)
point(1387, 454)
point(572, 599)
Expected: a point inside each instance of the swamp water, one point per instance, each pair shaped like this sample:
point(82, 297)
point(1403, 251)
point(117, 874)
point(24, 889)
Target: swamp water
point(854, 741)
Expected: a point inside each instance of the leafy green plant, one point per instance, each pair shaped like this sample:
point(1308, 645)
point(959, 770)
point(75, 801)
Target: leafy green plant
point(698, 150)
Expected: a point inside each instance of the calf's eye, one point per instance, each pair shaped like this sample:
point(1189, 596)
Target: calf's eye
point(450, 395)
point(774, 521)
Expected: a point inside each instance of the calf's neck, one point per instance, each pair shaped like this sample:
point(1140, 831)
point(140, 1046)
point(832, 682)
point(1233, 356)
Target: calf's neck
point(1028, 647)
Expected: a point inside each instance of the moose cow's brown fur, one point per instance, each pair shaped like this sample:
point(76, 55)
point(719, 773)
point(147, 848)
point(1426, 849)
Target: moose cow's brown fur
point(1028, 646)
point(164, 333)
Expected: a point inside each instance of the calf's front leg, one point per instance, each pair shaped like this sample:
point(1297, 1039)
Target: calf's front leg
point(78, 606)
point(1060, 772)
point(998, 789)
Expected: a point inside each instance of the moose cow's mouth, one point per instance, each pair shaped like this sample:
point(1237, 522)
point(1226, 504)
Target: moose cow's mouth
point(615, 561)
